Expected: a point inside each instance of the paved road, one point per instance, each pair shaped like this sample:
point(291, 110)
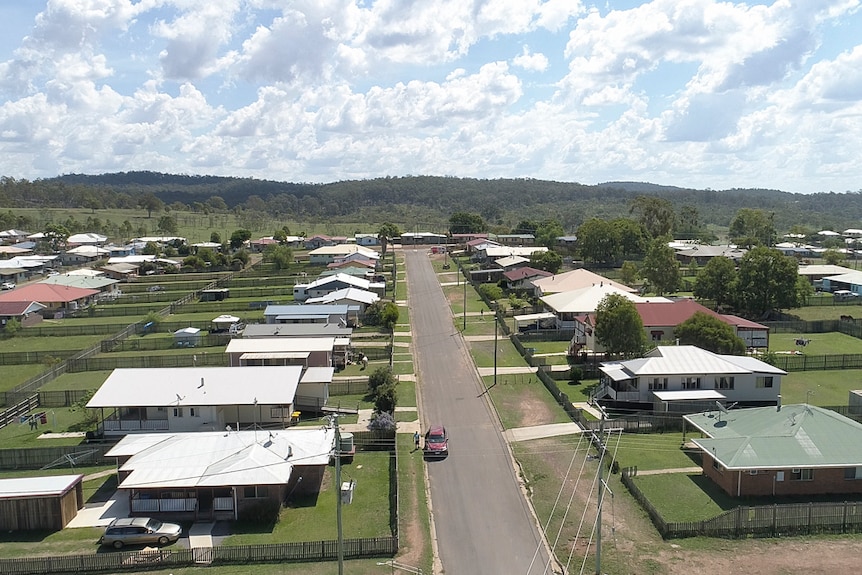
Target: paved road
point(483, 523)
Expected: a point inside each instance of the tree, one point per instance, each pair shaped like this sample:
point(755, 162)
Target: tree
point(629, 273)
point(716, 281)
point(688, 227)
point(526, 227)
point(661, 268)
point(655, 214)
point(380, 377)
point(280, 256)
point(167, 225)
point(833, 257)
point(767, 281)
point(752, 227)
point(550, 261)
point(239, 237)
point(466, 223)
point(619, 328)
point(152, 249)
point(634, 238)
point(56, 234)
point(710, 333)
point(493, 292)
point(151, 203)
point(385, 233)
point(384, 314)
point(547, 233)
point(598, 242)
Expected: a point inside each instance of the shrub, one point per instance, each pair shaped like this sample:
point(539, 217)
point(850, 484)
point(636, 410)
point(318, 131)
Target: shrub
point(382, 421)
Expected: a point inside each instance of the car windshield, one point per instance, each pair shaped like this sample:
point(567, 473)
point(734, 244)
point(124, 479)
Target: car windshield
point(154, 524)
point(436, 437)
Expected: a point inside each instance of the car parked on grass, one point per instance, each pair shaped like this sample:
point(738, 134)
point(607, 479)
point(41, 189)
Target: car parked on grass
point(436, 441)
point(139, 531)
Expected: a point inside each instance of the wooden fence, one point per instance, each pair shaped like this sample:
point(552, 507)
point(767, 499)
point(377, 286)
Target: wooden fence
point(186, 360)
point(757, 521)
point(39, 457)
point(19, 408)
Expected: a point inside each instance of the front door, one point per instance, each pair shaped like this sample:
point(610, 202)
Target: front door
point(205, 504)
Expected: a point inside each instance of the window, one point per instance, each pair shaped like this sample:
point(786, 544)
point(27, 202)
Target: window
point(691, 383)
point(724, 382)
point(658, 383)
point(255, 492)
point(656, 335)
point(763, 381)
point(194, 412)
point(801, 474)
point(853, 473)
point(178, 412)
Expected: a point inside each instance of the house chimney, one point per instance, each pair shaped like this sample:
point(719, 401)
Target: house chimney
point(778, 405)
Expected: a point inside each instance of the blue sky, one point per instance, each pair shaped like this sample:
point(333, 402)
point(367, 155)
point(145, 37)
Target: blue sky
point(695, 93)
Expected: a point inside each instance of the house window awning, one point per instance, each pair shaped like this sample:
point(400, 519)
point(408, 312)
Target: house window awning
point(616, 373)
point(689, 395)
point(276, 355)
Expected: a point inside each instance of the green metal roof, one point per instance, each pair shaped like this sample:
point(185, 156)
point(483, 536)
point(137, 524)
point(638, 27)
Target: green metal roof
point(795, 436)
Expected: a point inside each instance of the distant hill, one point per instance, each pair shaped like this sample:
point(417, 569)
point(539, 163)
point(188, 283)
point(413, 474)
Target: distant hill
point(428, 200)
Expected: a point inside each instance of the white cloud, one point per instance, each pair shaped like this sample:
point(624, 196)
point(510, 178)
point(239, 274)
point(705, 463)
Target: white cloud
point(530, 61)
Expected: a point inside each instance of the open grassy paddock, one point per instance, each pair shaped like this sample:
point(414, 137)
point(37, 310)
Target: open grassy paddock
point(828, 388)
point(818, 343)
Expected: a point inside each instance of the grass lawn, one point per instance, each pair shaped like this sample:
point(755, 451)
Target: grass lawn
point(312, 518)
point(547, 346)
point(60, 419)
point(49, 344)
point(15, 375)
point(650, 451)
point(830, 387)
point(819, 343)
point(507, 355)
point(78, 380)
point(816, 312)
point(684, 497)
point(521, 400)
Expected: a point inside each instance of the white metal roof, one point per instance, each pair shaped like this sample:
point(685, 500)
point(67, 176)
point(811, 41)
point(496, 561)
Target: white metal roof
point(533, 317)
point(586, 300)
point(198, 386)
point(318, 375)
point(17, 487)
point(276, 355)
point(220, 458)
point(280, 344)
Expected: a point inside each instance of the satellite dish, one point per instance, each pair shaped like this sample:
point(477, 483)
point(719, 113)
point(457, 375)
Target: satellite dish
point(720, 407)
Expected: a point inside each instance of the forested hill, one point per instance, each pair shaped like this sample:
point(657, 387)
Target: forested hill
point(427, 199)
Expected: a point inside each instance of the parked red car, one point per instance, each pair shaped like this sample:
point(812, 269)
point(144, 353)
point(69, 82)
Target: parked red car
point(436, 441)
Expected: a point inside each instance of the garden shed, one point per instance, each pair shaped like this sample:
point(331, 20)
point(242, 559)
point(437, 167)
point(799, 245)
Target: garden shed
point(187, 337)
point(40, 503)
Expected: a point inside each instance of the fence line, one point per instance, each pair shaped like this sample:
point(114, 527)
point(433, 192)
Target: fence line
point(756, 521)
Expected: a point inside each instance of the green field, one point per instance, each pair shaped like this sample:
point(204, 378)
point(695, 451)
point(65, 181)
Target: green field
point(818, 343)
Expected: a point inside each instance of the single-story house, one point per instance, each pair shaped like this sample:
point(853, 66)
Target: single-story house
point(660, 319)
point(13, 236)
point(815, 273)
point(511, 263)
point(328, 284)
point(492, 253)
point(569, 306)
point(788, 450)
point(40, 503)
point(348, 296)
point(254, 330)
point(195, 398)
point(422, 238)
point(122, 272)
point(217, 475)
point(366, 239)
point(360, 264)
point(295, 351)
point(328, 254)
point(87, 238)
point(515, 239)
point(573, 280)
point(55, 298)
point(339, 314)
point(84, 254)
point(317, 241)
point(703, 253)
point(686, 378)
point(95, 280)
point(26, 312)
point(851, 281)
point(521, 278)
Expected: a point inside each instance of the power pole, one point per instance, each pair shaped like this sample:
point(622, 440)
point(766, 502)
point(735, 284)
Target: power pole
point(340, 543)
point(602, 449)
point(465, 305)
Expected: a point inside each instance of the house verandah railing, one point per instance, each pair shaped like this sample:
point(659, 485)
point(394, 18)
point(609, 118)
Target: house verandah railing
point(778, 520)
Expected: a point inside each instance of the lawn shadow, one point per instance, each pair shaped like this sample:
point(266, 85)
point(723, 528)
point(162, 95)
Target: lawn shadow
point(714, 492)
point(105, 490)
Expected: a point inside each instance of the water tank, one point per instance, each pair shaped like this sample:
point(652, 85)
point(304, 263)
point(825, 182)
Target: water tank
point(347, 447)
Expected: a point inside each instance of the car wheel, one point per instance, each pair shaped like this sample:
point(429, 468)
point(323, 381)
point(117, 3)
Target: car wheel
point(118, 544)
point(163, 540)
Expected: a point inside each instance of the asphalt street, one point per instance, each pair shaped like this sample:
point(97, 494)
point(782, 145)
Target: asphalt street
point(483, 522)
